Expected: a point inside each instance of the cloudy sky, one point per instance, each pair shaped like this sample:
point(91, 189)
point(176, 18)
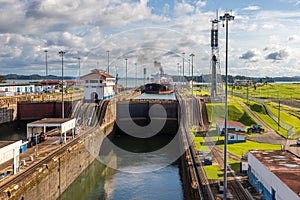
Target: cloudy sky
point(264, 38)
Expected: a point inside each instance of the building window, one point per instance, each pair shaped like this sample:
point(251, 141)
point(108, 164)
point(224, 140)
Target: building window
point(232, 137)
point(94, 81)
point(101, 81)
point(86, 81)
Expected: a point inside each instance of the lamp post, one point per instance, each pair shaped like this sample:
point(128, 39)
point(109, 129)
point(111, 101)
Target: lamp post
point(46, 51)
point(278, 122)
point(192, 55)
point(183, 66)
point(79, 66)
point(227, 17)
point(62, 84)
point(107, 62)
point(126, 73)
point(135, 74)
point(178, 71)
point(189, 66)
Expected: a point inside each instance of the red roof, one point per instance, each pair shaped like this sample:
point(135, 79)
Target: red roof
point(230, 123)
point(284, 164)
point(73, 81)
point(96, 74)
point(51, 81)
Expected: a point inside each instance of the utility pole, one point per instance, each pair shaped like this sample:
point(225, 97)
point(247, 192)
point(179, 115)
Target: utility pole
point(107, 62)
point(189, 66)
point(62, 84)
point(126, 73)
point(278, 112)
point(135, 74)
point(183, 66)
point(227, 17)
point(192, 55)
point(46, 51)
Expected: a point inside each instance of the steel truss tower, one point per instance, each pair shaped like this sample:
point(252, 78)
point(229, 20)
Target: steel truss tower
point(214, 56)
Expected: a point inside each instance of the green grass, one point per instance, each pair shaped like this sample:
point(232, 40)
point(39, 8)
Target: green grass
point(235, 166)
point(235, 113)
point(260, 111)
point(287, 115)
point(271, 91)
point(213, 172)
point(198, 141)
point(239, 149)
point(198, 91)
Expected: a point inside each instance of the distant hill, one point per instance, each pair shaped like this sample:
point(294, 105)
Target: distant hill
point(238, 77)
point(34, 77)
point(175, 78)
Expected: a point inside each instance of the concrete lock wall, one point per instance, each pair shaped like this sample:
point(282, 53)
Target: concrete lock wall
point(50, 180)
point(39, 110)
point(138, 109)
point(139, 113)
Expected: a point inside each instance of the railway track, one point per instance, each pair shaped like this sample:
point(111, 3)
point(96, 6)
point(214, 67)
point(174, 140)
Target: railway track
point(235, 187)
point(202, 182)
point(15, 179)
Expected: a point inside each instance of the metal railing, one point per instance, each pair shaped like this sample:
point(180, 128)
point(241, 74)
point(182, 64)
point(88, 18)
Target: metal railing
point(282, 124)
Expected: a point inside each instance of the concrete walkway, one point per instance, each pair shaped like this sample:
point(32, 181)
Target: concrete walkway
point(270, 136)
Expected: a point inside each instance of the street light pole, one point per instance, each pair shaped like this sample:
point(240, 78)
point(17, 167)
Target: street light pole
point(227, 17)
point(79, 66)
point(107, 62)
point(183, 66)
point(192, 55)
point(135, 74)
point(189, 66)
point(46, 51)
point(278, 122)
point(62, 84)
point(126, 73)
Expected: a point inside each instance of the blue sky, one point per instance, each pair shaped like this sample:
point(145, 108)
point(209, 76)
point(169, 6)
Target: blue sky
point(263, 39)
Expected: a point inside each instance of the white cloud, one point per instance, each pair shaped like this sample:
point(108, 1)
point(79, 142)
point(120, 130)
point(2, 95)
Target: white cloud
point(273, 15)
point(252, 8)
point(181, 9)
point(268, 26)
point(90, 28)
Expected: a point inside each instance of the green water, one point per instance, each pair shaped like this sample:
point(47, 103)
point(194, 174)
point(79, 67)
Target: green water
point(101, 182)
point(13, 131)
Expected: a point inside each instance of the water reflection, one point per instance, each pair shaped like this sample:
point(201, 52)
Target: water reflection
point(101, 182)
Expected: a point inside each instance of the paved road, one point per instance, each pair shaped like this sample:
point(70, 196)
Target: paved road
point(270, 136)
point(292, 146)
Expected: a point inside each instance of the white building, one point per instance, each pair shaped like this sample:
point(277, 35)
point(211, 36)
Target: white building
point(238, 82)
point(275, 174)
point(8, 149)
point(231, 125)
point(236, 136)
point(98, 85)
point(17, 88)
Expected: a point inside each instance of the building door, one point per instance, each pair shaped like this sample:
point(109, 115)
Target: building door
point(94, 97)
